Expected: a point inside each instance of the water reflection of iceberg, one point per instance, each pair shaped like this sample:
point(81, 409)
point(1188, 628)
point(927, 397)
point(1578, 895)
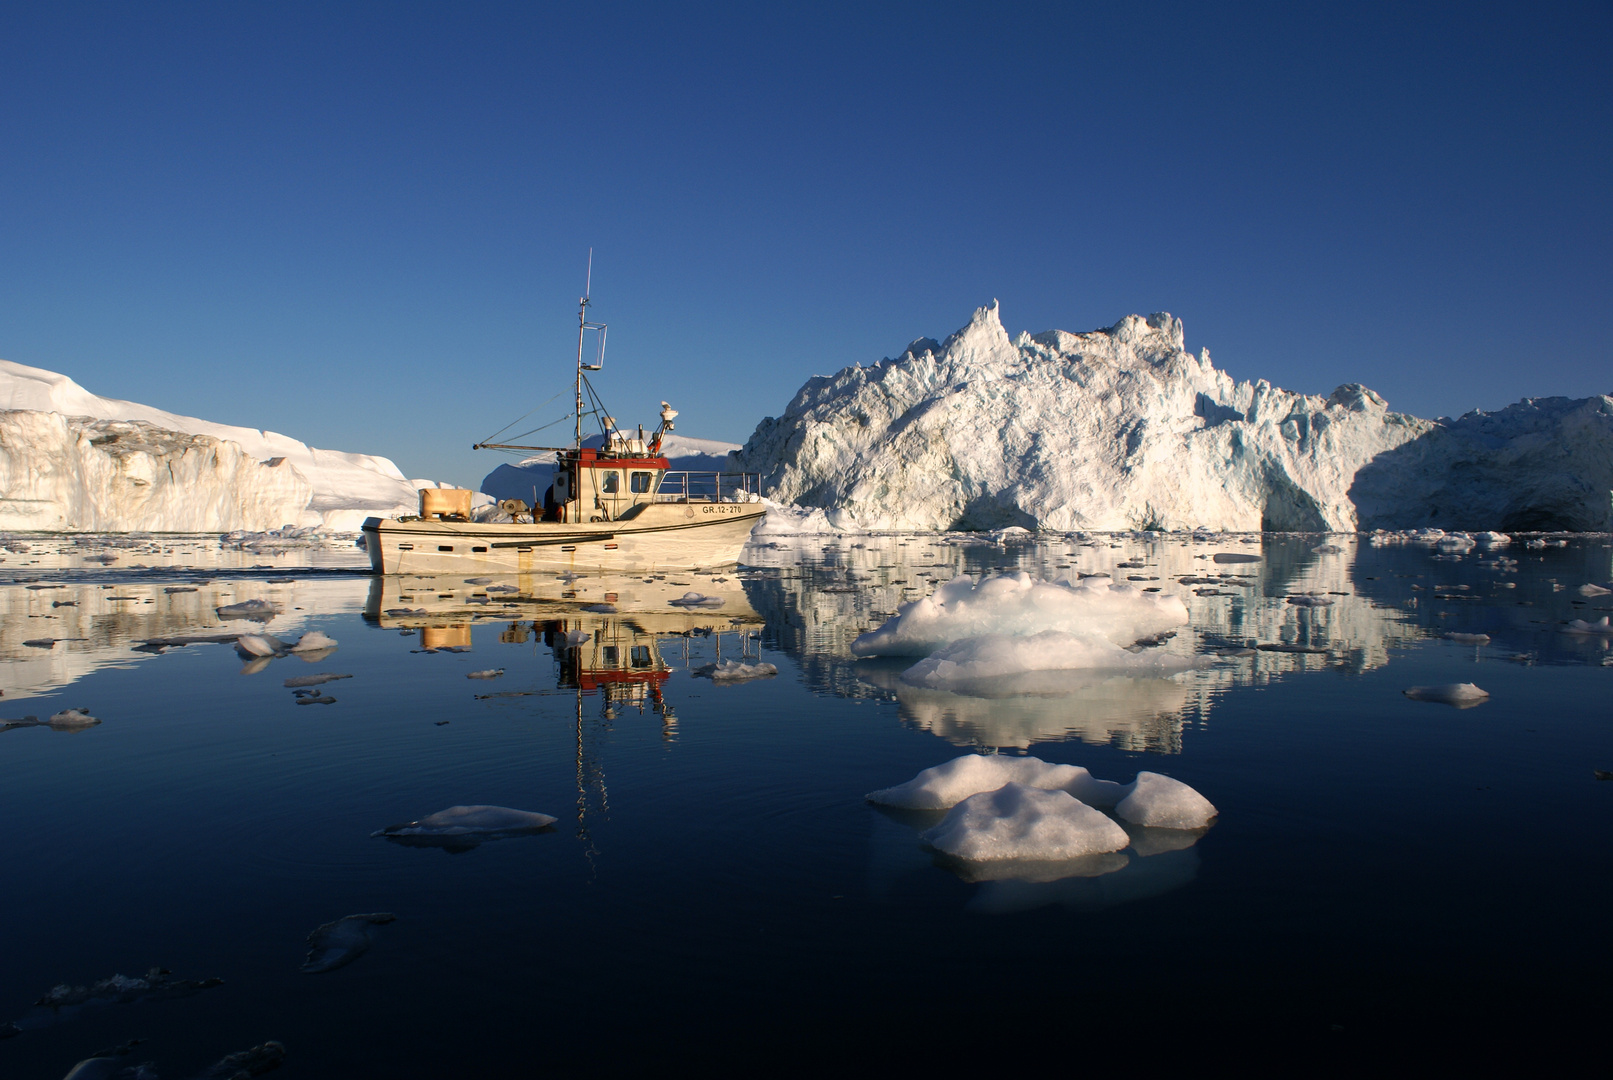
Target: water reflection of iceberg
point(1139, 879)
point(1128, 711)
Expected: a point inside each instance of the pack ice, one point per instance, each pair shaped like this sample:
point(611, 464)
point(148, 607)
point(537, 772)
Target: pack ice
point(1123, 428)
point(73, 461)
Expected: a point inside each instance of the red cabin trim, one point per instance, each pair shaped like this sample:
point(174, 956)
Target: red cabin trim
point(590, 462)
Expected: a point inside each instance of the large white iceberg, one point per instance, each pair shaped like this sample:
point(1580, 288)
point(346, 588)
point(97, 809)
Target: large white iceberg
point(73, 461)
point(1123, 428)
point(1019, 822)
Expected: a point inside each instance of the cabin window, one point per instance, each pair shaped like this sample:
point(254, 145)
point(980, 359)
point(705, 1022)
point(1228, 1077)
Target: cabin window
point(405, 547)
point(610, 654)
point(612, 484)
point(641, 656)
point(640, 482)
point(478, 549)
point(445, 547)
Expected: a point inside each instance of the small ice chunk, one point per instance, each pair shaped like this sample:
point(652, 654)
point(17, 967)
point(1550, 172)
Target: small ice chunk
point(314, 680)
point(1459, 694)
point(478, 581)
point(1162, 802)
point(471, 820)
point(601, 609)
point(1311, 601)
point(1590, 589)
point(502, 588)
point(1235, 557)
point(1328, 549)
point(314, 639)
point(1020, 822)
point(256, 610)
point(490, 673)
point(1580, 626)
point(694, 600)
point(343, 941)
point(259, 645)
point(71, 718)
point(736, 671)
point(1466, 639)
point(314, 697)
point(948, 784)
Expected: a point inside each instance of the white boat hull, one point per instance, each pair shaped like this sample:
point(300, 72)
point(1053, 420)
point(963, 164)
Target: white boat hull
point(663, 536)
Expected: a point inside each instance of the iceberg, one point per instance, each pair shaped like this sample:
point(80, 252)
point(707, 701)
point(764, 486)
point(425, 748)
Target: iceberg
point(73, 461)
point(1462, 695)
point(1122, 428)
point(944, 786)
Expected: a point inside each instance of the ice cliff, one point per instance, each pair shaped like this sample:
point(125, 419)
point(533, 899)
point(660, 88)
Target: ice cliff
point(1123, 428)
point(73, 461)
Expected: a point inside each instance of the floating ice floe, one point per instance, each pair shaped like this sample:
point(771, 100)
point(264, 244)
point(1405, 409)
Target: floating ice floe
point(1590, 589)
point(944, 786)
point(1311, 601)
point(1461, 695)
point(65, 1001)
point(697, 600)
point(259, 645)
point(256, 610)
point(490, 673)
point(1234, 557)
point(577, 637)
point(314, 680)
point(1019, 822)
point(314, 640)
point(986, 662)
point(502, 589)
point(1467, 639)
point(1018, 604)
point(1162, 802)
point(343, 941)
point(1492, 539)
point(478, 581)
point(1580, 626)
point(601, 609)
point(730, 671)
point(66, 720)
point(460, 828)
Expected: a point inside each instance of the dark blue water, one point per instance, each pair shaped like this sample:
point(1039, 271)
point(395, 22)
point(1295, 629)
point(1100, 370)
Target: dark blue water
point(1386, 876)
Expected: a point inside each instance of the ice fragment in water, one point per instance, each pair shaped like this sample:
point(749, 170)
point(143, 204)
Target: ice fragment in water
point(1461, 695)
point(694, 599)
point(259, 645)
point(1589, 589)
point(1020, 605)
point(1467, 639)
point(601, 609)
point(314, 680)
point(312, 640)
point(946, 785)
point(256, 610)
point(1235, 557)
point(1019, 822)
point(343, 941)
point(461, 820)
point(478, 581)
point(1580, 626)
point(490, 673)
point(735, 671)
point(975, 661)
point(1311, 601)
point(71, 718)
point(1164, 803)
point(577, 637)
point(502, 588)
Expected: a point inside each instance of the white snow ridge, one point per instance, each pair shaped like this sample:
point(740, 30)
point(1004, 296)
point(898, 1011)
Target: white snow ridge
point(1122, 428)
point(73, 461)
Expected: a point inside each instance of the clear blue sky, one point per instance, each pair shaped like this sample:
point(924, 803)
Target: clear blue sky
point(365, 225)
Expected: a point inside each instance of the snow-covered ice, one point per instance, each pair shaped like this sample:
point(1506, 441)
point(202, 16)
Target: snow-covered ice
point(1017, 604)
point(1020, 822)
point(1124, 429)
point(255, 610)
point(471, 821)
point(1162, 802)
point(992, 658)
point(1581, 626)
point(1458, 694)
point(314, 641)
point(731, 671)
point(490, 673)
point(697, 600)
point(71, 460)
point(945, 785)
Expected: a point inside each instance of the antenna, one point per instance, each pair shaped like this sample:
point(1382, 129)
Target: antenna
point(583, 326)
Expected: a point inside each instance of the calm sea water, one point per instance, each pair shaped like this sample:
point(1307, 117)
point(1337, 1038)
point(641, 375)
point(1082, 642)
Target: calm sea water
point(1386, 876)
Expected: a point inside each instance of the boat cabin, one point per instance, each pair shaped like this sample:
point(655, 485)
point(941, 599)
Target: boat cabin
point(604, 485)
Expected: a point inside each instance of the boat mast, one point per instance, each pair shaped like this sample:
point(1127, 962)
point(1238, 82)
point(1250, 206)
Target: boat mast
point(583, 326)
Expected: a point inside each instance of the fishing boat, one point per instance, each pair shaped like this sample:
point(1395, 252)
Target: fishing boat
point(617, 506)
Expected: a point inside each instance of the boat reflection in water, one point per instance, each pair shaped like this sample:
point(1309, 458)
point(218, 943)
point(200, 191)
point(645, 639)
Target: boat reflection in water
point(609, 637)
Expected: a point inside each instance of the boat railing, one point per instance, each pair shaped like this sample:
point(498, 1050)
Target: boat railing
point(681, 487)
